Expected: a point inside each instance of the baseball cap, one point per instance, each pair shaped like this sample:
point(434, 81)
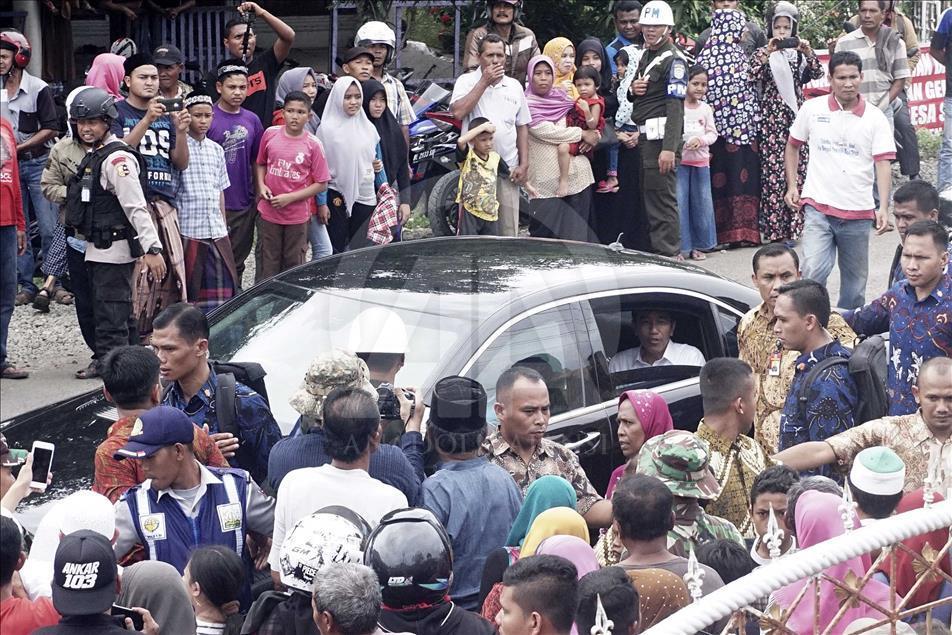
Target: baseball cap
point(353, 53)
point(330, 370)
point(155, 429)
point(680, 460)
point(84, 574)
point(10, 457)
point(167, 55)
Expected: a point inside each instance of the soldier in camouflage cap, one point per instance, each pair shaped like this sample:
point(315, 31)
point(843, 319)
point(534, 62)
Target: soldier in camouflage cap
point(334, 369)
point(680, 460)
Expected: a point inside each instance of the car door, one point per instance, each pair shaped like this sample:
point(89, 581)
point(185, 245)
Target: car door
point(554, 341)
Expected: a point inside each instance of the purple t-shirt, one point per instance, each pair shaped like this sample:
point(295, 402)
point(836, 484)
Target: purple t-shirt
point(239, 135)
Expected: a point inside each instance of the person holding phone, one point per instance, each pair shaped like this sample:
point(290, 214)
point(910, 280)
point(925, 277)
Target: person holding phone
point(779, 72)
point(85, 586)
point(144, 123)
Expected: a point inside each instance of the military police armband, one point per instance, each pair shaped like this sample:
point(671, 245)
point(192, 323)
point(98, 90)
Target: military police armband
point(678, 79)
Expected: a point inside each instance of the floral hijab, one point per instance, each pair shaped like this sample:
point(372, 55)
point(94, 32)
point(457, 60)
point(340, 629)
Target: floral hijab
point(551, 106)
point(729, 94)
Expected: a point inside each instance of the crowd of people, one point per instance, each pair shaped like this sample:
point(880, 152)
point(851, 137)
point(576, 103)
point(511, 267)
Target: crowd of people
point(379, 513)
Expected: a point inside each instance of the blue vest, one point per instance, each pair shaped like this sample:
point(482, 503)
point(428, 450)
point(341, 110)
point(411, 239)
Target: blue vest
point(170, 536)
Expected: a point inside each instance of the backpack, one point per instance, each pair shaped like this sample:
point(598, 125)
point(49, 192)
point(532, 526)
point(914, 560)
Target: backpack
point(867, 367)
point(252, 375)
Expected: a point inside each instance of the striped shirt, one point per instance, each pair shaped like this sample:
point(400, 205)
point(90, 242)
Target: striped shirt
point(198, 196)
point(878, 74)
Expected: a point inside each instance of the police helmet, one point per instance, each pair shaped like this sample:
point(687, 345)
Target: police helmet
point(331, 534)
point(413, 559)
point(94, 103)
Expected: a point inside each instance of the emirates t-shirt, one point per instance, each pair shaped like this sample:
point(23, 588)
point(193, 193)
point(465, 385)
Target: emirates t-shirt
point(291, 164)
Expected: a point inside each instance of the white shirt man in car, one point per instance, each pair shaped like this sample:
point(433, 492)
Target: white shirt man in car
point(655, 329)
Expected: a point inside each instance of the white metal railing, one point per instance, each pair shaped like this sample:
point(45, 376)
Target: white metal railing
point(802, 565)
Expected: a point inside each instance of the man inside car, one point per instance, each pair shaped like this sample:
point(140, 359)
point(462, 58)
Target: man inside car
point(654, 328)
point(519, 445)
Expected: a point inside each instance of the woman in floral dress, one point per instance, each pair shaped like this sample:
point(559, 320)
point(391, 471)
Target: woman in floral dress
point(781, 74)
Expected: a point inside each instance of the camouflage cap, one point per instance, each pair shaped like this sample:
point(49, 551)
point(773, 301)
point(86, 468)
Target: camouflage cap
point(330, 370)
point(680, 460)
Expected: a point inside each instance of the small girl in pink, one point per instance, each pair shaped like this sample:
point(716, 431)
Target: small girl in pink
point(696, 206)
point(290, 171)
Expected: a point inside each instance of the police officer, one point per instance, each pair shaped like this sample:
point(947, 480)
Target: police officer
point(183, 504)
point(106, 205)
point(658, 97)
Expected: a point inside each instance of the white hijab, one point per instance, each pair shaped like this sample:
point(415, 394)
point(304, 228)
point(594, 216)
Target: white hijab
point(350, 143)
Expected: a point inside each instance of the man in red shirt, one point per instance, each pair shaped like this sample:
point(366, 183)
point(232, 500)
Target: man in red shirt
point(130, 377)
point(12, 238)
point(18, 615)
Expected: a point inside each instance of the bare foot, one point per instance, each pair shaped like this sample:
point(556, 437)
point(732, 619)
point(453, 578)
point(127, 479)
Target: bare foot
point(611, 181)
point(698, 255)
point(562, 190)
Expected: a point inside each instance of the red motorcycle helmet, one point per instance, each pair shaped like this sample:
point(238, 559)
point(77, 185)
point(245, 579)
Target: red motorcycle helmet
point(17, 42)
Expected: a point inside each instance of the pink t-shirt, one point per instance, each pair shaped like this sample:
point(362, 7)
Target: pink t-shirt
point(292, 164)
point(698, 122)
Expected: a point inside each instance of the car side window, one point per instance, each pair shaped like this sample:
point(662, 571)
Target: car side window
point(547, 342)
point(680, 328)
point(729, 322)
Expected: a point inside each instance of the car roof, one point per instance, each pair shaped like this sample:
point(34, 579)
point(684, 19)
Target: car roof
point(499, 270)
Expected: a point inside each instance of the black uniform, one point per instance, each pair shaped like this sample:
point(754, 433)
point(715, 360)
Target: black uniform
point(667, 75)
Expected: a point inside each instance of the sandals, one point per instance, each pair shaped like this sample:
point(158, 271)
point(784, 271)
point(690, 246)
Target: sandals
point(90, 372)
point(605, 188)
point(10, 371)
point(62, 296)
point(697, 254)
point(24, 297)
point(41, 301)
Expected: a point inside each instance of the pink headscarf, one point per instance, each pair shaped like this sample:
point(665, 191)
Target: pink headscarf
point(818, 519)
point(549, 107)
point(655, 418)
point(573, 549)
point(107, 72)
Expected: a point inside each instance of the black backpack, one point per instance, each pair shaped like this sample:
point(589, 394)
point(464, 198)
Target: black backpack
point(867, 366)
point(250, 374)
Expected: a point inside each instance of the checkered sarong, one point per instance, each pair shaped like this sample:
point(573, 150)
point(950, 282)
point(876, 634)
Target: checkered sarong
point(209, 272)
point(54, 264)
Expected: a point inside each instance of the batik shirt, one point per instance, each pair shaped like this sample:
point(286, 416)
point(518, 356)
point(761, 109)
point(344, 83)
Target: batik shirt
point(735, 464)
point(908, 436)
point(757, 342)
point(256, 424)
point(918, 331)
point(548, 458)
point(831, 402)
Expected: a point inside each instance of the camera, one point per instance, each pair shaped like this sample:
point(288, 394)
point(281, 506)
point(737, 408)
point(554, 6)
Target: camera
point(387, 401)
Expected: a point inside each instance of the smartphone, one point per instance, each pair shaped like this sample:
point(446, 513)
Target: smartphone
point(124, 611)
point(173, 105)
point(42, 462)
point(788, 43)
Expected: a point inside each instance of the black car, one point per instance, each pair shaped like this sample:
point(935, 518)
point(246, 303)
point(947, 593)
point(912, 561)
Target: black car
point(470, 306)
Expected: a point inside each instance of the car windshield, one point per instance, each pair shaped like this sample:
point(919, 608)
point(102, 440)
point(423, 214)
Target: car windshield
point(284, 327)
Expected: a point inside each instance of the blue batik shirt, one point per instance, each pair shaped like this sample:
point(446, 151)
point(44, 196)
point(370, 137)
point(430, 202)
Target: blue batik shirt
point(831, 402)
point(918, 331)
point(256, 424)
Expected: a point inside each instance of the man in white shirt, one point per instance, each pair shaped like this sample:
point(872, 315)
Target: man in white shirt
point(655, 328)
point(351, 434)
point(488, 92)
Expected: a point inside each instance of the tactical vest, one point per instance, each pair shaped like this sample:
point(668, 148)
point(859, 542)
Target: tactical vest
point(170, 536)
point(92, 212)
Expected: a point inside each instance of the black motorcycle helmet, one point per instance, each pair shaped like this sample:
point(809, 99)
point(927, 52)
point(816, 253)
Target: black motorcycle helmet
point(93, 103)
point(412, 557)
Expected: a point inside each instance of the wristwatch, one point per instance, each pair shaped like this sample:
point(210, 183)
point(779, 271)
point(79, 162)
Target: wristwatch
point(154, 250)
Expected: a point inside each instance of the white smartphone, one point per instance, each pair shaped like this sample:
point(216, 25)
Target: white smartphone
point(42, 463)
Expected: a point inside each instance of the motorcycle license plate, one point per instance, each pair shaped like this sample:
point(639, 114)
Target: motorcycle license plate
point(422, 156)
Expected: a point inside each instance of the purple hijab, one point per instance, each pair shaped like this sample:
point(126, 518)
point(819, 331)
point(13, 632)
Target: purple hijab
point(552, 106)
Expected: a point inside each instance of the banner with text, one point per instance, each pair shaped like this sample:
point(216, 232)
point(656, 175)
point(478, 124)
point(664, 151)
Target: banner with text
point(925, 89)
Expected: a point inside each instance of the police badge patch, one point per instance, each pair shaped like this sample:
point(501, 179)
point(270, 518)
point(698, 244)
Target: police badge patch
point(229, 516)
point(153, 526)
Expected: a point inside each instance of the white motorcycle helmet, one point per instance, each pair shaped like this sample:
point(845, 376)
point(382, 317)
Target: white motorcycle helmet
point(378, 330)
point(376, 32)
point(331, 534)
